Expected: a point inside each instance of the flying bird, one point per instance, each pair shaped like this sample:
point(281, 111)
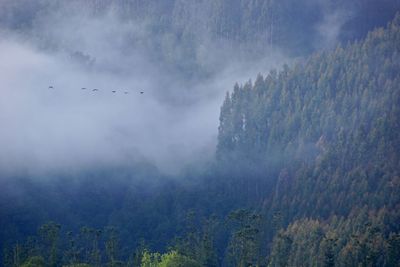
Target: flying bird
point(126, 93)
point(114, 91)
point(51, 87)
point(83, 88)
point(141, 93)
point(95, 90)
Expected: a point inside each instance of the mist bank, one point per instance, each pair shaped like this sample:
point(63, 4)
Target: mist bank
point(183, 56)
point(50, 124)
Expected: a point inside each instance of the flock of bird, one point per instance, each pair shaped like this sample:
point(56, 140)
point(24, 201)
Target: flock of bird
point(95, 90)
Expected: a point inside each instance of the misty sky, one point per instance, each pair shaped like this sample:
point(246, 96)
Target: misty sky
point(172, 124)
point(175, 121)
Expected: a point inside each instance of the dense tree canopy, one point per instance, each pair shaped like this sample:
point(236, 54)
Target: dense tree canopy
point(333, 123)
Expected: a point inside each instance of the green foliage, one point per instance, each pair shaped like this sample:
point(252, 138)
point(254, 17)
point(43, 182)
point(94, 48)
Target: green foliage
point(112, 248)
point(150, 259)
point(170, 259)
point(244, 244)
point(49, 233)
point(198, 242)
point(336, 242)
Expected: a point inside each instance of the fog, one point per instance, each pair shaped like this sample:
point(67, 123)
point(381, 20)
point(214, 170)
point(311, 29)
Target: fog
point(173, 124)
point(330, 28)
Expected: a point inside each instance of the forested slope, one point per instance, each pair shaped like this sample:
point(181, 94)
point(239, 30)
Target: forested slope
point(333, 120)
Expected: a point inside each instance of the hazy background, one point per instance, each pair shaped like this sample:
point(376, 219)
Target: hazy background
point(184, 55)
point(172, 124)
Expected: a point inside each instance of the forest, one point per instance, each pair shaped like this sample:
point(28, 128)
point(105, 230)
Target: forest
point(305, 169)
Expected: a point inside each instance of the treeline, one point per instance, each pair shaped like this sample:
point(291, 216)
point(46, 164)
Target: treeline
point(365, 238)
point(53, 246)
point(333, 123)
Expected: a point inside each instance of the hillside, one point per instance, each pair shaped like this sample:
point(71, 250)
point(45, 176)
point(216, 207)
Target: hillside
point(306, 171)
point(333, 123)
